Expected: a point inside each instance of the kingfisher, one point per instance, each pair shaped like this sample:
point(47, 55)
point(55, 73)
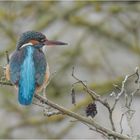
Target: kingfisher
point(28, 69)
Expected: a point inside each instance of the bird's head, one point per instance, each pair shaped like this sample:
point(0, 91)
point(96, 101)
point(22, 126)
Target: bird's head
point(36, 39)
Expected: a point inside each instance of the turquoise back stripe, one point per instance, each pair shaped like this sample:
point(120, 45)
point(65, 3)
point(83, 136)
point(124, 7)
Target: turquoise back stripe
point(27, 78)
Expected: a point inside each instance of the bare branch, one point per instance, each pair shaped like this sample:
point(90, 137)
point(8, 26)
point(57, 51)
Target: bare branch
point(80, 118)
point(128, 100)
point(93, 94)
point(96, 97)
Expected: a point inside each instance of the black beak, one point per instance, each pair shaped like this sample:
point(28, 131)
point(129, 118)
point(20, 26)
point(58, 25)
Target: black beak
point(52, 42)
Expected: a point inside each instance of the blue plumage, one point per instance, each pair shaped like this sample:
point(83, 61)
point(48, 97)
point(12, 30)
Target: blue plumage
point(40, 65)
point(27, 78)
point(27, 66)
point(27, 71)
point(15, 64)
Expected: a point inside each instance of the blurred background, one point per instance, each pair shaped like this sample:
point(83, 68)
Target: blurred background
point(103, 45)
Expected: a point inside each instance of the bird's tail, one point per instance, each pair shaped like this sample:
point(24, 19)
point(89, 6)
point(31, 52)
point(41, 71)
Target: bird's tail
point(27, 79)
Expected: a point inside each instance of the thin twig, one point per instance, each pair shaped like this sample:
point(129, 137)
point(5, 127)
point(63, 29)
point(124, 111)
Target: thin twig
point(93, 94)
point(96, 97)
point(7, 57)
point(128, 101)
point(121, 127)
point(96, 130)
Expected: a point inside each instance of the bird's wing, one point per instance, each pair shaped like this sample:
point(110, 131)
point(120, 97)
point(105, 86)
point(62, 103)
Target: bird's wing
point(46, 79)
point(40, 66)
point(15, 65)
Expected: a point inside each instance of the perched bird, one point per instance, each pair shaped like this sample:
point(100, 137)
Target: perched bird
point(28, 68)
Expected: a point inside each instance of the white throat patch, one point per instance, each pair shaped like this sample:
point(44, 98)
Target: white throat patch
point(26, 44)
